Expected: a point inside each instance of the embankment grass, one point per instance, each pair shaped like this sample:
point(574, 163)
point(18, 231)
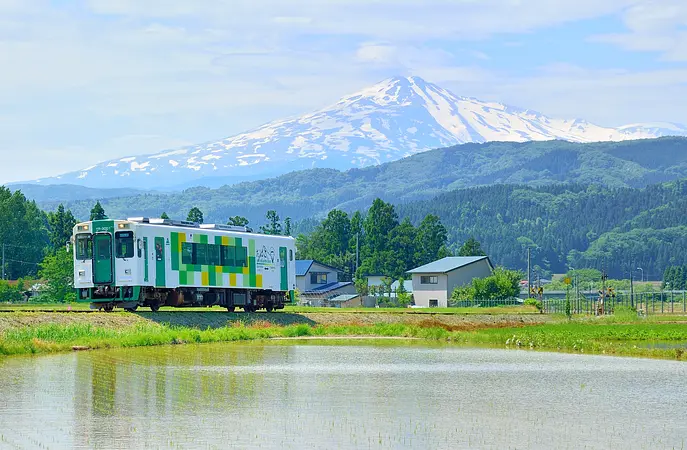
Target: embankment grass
point(630, 337)
point(289, 309)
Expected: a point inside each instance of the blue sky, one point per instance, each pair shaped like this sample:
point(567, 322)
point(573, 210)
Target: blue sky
point(88, 80)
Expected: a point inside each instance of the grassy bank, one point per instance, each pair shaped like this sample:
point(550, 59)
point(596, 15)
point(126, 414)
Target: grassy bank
point(31, 333)
point(289, 309)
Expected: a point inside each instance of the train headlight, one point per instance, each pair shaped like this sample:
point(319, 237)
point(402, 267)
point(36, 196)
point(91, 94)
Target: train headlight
point(82, 273)
point(127, 271)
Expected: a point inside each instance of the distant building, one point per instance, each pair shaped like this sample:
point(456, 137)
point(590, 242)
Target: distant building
point(319, 284)
point(433, 283)
point(375, 280)
point(407, 286)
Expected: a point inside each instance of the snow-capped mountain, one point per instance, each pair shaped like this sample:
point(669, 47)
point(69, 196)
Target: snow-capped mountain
point(392, 119)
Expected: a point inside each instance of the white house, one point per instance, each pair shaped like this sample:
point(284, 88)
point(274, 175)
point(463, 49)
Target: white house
point(318, 283)
point(433, 283)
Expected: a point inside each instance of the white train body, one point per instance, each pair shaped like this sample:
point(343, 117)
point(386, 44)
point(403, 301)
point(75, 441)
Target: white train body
point(155, 262)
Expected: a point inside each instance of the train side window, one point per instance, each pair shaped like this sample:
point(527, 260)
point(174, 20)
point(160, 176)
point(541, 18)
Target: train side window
point(228, 256)
point(201, 254)
point(214, 257)
point(158, 251)
point(187, 253)
point(290, 255)
point(241, 257)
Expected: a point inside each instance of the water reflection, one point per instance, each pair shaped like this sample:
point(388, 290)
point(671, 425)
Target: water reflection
point(256, 395)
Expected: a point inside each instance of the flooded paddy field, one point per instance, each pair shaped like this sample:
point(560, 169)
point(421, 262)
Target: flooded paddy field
point(322, 394)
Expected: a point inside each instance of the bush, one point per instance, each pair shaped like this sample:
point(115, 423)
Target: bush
point(534, 302)
point(9, 293)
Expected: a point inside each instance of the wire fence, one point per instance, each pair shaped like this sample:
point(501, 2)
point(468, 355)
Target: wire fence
point(646, 303)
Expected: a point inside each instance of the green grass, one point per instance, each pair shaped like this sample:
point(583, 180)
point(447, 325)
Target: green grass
point(620, 335)
point(290, 309)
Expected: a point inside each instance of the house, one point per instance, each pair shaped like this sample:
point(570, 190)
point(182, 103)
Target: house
point(375, 280)
point(344, 301)
point(433, 283)
point(319, 283)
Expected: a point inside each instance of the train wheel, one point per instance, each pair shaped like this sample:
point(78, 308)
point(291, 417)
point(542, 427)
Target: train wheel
point(248, 308)
point(108, 308)
point(231, 308)
point(155, 307)
point(269, 308)
point(132, 309)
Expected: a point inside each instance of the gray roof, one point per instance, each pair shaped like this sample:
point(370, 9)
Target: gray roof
point(343, 298)
point(448, 264)
point(303, 266)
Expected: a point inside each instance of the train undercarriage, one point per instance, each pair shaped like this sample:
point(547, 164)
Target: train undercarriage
point(108, 298)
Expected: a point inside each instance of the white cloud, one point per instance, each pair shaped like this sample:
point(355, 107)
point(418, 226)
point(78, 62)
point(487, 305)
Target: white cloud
point(653, 26)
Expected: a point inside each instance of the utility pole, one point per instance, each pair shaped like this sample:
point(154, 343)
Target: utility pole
point(632, 290)
point(356, 252)
point(529, 272)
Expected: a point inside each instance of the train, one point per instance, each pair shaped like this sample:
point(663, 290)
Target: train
point(147, 262)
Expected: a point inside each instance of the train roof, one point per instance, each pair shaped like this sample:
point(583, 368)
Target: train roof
point(189, 224)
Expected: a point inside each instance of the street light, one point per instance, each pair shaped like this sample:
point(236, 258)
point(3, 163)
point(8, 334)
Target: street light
point(639, 268)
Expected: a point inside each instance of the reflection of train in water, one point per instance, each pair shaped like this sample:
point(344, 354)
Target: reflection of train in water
point(157, 262)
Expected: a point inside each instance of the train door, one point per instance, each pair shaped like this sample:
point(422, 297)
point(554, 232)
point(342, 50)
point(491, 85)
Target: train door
point(284, 285)
point(159, 262)
point(102, 259)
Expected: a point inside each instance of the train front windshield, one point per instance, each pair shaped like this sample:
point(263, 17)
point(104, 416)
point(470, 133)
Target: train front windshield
point(84, 247)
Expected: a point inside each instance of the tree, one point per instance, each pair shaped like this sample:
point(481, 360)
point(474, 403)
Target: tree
point(238, 221)
point(502, 284)
point(195, 215)
point(287, 226)
point(9, 293)
point(61, 225)
point(164, 216)
point(471, 247)
point(381, 219)
point(22, 232)
point(430, 240)
point(273, 226)
point(97, 212)
point(58, 271)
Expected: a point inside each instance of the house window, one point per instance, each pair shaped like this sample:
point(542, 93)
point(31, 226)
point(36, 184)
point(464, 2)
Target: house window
point(433, 303)
point(429, 279)
point(318, 278)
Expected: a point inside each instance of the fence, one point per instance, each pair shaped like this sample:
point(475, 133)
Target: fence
point(647, 303)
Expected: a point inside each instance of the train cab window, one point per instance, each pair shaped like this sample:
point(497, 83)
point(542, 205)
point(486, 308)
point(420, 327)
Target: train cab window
point(290, 255)
point(124, 244)
point(84, 247)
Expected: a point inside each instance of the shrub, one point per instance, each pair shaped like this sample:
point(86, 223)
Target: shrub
point(534, 302)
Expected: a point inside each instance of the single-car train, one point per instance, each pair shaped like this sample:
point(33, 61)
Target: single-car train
point(162, 262)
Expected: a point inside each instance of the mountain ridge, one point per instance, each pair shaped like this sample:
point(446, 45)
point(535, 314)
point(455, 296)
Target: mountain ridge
point(313, 192)
point(395, 118)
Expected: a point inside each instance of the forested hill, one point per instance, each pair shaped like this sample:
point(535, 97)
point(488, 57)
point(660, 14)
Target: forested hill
point(616, 229)
point(313, 192)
